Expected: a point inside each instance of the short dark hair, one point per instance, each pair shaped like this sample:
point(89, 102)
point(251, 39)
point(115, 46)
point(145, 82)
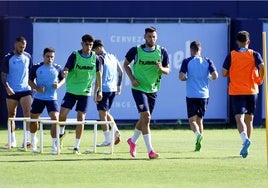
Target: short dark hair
point(49, 49)
point(87, 38)
point(97, 43)
point(195, 45)
point(243, 36)
point(20, 39)
point(150, 29)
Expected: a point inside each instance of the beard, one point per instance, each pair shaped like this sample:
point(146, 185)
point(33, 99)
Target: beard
point(150, 44)
point(19, 52)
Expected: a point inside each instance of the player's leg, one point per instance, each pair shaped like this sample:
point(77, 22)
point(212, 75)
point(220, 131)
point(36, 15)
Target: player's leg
point(146, 118)
point(26, 102)
point(62, 117)
point(53, 111)
point(202, 107)
point(105, 129)
point(199, 134)
point(33, 129)
point(239, 109)
point(12, 111)
point(249, 123)
point(250, 101)
point(69, 101)
point(132, 141)
point(37, 108)
point(81, 108)
point(79, 132)
point(116, 132)
point(249, 116)
point(102, 107)
point(192, 111)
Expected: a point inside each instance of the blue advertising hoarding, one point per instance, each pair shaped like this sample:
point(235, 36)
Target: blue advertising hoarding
point(118, 38)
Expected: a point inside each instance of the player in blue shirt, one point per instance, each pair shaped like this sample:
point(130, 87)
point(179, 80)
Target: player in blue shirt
point(197, 71)
point(14, 75)
point(111, 85)
point(45, 79)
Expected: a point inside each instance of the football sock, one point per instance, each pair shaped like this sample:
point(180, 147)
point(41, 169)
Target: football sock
point(33, 139)
point(107, 136)
point(54, 141)
point(136, 135)
point(77, 143)
point(197, 133)
point(148, 143)
point(28, 133)
point(115, 127)
point(62, 130)
point(13, 138)
point(244, 136)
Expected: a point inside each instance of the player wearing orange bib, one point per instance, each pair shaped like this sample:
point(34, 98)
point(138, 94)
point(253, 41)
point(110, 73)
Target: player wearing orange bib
point(245, 68)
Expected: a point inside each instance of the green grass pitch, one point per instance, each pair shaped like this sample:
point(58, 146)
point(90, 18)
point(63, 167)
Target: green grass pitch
point(217, 165)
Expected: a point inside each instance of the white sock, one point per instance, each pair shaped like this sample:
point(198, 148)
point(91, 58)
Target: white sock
point(148, 143)
point(115, 127)
point(244, 136)
point(107, 136)
point(62, 130)
point(33, 140)
point(28, 138)
point(13, 137)
point(54, 141)
point(197, 133)
point(136, 135)
point(77, 143)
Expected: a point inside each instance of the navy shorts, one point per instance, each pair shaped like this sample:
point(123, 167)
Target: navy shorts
point(144, 101)
point(39, 105)
point(70, 100)
point(18, 95)
point(106, 102)
point(196, 106)
point(243, 104)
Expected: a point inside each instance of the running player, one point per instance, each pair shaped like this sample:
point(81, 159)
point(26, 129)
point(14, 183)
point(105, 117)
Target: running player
point(45, 79)
point(150, 62)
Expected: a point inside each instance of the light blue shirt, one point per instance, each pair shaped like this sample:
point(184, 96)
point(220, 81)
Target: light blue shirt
point(197, 69)
point(110, 74)
point(17, 69)
point(46, 76)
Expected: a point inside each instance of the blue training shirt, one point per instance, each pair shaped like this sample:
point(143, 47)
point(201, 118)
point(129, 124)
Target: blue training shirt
point(109, 74)
point(197, 69)
point(46, 76)
point(17, 68)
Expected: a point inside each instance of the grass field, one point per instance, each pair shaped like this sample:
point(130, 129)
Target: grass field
point(218, 165)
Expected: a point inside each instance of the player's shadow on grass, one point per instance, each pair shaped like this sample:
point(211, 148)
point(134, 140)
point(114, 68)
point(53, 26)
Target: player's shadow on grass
point(205, 158)
point(99, 157)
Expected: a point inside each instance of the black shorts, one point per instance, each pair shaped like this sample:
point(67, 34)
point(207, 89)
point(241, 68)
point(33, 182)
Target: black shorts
point(18, 95)
point(144, 101)
point(196, 106)
point(39, 105)
point(243, 104)
point(70, 100)
point(106, 102)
